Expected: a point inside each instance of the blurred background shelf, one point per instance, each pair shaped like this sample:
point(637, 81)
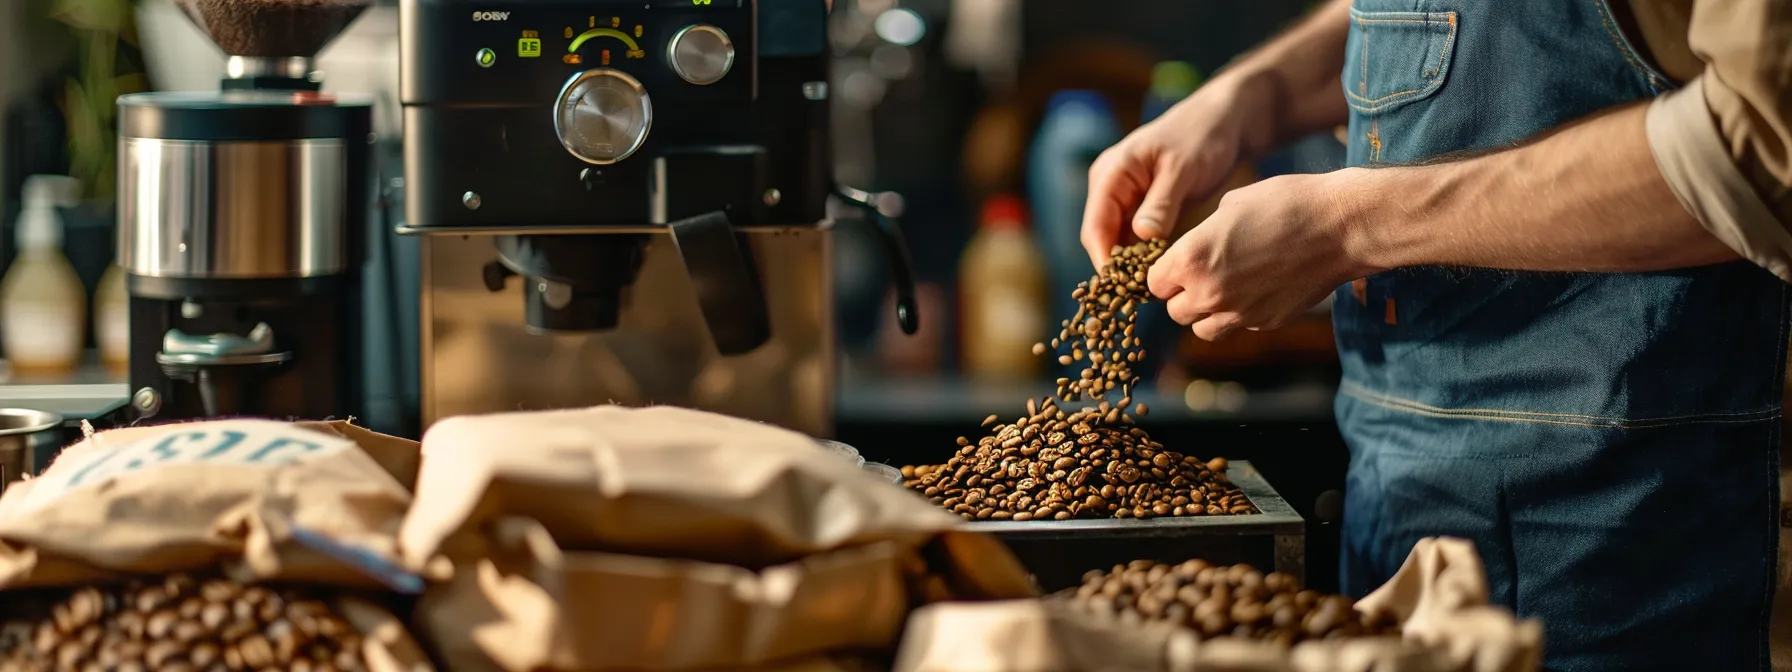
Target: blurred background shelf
point(968, 401)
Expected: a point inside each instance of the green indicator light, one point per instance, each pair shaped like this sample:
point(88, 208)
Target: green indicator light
point(487, 57)
point(699, 2)
point(528, 47)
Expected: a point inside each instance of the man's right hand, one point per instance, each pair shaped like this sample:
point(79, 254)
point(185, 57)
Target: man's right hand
point(1183, 156)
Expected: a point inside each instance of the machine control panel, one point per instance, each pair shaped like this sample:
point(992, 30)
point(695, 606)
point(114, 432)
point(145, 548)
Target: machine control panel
point(580, 112)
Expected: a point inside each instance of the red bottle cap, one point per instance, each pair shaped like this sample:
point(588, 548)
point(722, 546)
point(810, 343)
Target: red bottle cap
point(1004, 211)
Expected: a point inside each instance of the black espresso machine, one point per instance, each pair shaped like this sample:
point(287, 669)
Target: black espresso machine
point(625, 202)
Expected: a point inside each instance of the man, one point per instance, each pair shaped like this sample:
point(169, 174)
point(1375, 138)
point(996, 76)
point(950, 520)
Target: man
point(1560, 324)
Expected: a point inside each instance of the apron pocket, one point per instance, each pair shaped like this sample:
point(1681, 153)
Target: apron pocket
point(1395, 58)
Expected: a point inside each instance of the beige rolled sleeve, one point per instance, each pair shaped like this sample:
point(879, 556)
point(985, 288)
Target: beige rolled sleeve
point(1722, 141)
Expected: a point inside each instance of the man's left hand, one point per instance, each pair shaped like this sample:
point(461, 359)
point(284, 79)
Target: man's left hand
point(1272, 251)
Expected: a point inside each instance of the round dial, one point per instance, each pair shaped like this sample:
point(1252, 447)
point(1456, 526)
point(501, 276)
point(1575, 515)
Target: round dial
point(603, 116)
point(701, 54)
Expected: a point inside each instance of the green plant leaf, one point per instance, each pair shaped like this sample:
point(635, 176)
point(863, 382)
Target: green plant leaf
point(87, 148)
point(112, 16)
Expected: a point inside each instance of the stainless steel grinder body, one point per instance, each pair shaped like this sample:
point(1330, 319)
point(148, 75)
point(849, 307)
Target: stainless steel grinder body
point(242, 218)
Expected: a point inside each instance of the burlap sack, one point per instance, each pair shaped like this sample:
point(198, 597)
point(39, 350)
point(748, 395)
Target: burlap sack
point(194, 496)
point(666, 538)
point(1440, 595)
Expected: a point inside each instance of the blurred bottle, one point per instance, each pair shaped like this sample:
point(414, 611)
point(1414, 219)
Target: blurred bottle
point(1002, 295)
point(112, 322)
point(42, 303)
point(1077, 126)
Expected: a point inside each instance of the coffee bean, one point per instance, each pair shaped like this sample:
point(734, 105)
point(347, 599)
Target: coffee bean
point(191, 625)
point(1234, 601)
point(1051, 447)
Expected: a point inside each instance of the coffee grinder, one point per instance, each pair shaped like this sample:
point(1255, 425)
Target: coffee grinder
point(625, 202)
point(241, 223)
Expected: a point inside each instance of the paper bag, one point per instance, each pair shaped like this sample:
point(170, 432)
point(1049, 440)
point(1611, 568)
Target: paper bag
point(666, 538)
point(662, 481)
point(1440, 593)
point(193, 496)
point(528, 605)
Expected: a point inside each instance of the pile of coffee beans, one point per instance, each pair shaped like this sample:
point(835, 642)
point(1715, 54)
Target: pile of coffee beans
point(1055, 465)
point(1228, 601)
point(1102, 331)
point(177, 623)
point(1052, 464)
point(273, 28)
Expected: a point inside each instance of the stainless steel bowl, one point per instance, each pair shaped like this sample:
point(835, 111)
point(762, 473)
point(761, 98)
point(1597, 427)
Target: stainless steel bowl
point(28, 441)
point(845, 452)
point(883, 471)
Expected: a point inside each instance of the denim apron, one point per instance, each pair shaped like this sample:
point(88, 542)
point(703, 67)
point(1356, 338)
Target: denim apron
point(1608, 441)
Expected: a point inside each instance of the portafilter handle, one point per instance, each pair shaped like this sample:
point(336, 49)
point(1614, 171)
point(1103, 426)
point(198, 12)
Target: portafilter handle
point(896, 247)
point(726, 280)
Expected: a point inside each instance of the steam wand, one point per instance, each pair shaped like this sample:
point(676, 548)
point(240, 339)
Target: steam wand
point(907, 313)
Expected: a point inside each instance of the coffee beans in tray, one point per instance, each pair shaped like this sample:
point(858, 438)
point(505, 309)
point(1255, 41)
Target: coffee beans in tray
point(175, 623)
point(1224, 601)
point(1053, 465)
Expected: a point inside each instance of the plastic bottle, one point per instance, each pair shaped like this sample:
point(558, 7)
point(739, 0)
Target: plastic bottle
point(112, 321)
point(1077, 126)
point(43, 306)
point(1002, 295)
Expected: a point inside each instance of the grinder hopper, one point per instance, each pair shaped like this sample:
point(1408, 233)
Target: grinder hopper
point(271, 39)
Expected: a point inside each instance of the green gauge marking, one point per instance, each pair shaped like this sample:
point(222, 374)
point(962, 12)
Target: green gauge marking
point(602, 32)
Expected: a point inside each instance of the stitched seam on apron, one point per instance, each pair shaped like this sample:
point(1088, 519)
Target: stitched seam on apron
point(1443, 57)
point(1773, 504)
point(1655, 80)
point(1596, 421)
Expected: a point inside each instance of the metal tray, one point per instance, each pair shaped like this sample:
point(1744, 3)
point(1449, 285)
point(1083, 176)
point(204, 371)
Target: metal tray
point(1058, 547)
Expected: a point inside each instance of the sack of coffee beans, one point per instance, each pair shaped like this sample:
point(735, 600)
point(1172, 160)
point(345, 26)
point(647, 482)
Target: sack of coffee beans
point(238, 543)
point(1231, 601)
point(671, 539)
point(1432, 616)
point(184, 622)
point(231, 495)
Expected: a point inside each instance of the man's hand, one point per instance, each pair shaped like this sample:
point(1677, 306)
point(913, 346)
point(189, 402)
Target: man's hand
point(1182, 156)
point(1281, 91)
point(1272, 251)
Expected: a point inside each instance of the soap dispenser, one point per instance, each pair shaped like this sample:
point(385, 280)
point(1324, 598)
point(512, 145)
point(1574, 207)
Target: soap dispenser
point(43, 306)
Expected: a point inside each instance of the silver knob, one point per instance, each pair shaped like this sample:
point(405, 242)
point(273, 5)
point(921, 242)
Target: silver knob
point(701, 54)
point(603, 116)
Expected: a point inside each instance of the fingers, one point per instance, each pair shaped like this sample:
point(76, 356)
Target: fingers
point(1217, 326)
point(1157, 214)
point(1110, 198)
point(1187, 308)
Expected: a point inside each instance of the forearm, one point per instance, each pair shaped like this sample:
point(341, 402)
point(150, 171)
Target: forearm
point(1587, 198)
point(1293, 80)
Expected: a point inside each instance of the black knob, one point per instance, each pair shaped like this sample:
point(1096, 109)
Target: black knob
point(495, 276)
